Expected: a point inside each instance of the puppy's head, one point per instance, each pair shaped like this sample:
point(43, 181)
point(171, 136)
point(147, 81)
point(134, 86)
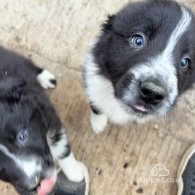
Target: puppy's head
point(147, 51)
point(25, 158)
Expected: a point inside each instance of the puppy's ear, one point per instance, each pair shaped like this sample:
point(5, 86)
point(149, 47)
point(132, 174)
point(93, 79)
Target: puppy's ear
point(11, 88)
point(107, 26)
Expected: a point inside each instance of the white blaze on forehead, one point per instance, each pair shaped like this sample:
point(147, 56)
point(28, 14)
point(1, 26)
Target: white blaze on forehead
point(28, 166)
point(180, 29)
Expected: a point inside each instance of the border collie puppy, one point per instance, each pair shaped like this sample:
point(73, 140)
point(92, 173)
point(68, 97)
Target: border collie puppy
point(31, 134)
point(142, 61)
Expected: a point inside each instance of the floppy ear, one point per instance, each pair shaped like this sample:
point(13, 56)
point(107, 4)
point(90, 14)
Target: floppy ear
point(11, 88)
point(107, 26)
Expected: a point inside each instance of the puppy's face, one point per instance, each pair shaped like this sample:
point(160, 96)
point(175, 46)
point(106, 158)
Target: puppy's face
point(148, 52)
point(25, 157)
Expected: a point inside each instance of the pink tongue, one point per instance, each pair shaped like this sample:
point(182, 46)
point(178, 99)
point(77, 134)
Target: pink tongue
point(46, 186)
point(140, 108)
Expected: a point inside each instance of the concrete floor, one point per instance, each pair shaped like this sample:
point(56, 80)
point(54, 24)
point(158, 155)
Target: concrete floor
point(122, 160)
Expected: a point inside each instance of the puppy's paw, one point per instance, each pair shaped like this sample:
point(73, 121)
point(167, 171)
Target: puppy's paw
point(72, 168)
point(75, 172)
point(46, 79)
point(98, 122)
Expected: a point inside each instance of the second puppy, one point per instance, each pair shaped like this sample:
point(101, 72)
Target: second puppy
point(32, 137)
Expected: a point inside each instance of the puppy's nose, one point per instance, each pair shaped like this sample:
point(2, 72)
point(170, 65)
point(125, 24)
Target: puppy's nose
point(152, 93)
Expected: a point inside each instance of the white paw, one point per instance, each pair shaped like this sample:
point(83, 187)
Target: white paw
point(72, 168)
point(98, 122)
point(46, 79)
point(75, 172)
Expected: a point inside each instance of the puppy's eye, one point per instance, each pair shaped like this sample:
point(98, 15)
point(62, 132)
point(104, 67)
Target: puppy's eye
point(22, 136)
point(185, 62)
point(137, 41)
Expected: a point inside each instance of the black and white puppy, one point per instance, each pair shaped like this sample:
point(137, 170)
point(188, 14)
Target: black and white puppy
point(142, 61)
point(32, 136)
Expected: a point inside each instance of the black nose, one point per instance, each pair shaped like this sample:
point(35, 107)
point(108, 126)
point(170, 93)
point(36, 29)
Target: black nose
point(151, 93)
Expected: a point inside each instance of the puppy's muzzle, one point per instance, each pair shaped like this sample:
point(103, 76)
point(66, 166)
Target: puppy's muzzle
point(47, 171)
point(151, 93)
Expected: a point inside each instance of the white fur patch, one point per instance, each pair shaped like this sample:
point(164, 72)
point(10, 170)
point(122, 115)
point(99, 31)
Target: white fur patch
point(100, 91)
point(28, 165)
point(72, 168)
point(57, 149)
point(44, 79)
point(180, 29)
point(98, 122)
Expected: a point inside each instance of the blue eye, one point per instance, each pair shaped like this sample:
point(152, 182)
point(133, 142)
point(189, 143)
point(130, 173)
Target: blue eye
point(137, 41)
point(22, 136)
point(185, 63)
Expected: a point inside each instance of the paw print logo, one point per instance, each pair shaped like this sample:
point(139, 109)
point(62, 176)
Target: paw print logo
point(159, 171)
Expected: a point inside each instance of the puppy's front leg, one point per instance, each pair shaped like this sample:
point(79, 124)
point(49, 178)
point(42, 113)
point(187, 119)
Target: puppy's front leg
point(62, 153)
point(72, 168)
point(98, 120)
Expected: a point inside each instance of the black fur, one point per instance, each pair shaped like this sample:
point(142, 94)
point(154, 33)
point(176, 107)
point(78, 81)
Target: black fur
point(24, 106)
point(112, 52)
point(157, 20)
